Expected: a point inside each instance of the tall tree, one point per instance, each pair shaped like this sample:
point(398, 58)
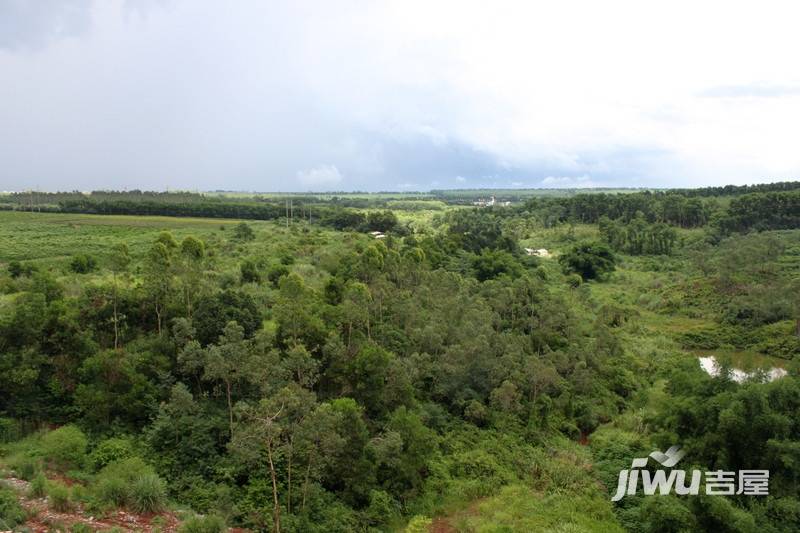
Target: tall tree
point(120, 260)
point(158, 280)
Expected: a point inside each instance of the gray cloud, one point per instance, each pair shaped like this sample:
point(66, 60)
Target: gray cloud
point(331, 95)
point(28, 24)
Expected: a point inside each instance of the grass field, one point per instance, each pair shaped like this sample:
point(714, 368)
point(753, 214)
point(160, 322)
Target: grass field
point(50, 236)
point(50, 240)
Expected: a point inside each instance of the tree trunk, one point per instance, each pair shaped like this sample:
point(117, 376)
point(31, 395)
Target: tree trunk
point(305, 484)
point(158, 319)
point(276, 509)
point(230, 406)
point(116, 318)
point(289, 475)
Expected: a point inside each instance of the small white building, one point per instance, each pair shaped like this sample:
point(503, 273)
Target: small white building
point(537, 252)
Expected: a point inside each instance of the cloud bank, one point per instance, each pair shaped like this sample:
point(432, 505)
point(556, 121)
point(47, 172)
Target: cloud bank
point(390, 95)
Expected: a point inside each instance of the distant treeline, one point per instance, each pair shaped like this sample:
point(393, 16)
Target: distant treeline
point(29, 199)
point(772, 210)
point(752, 207)
point(672, 208)
point(752, 211)
point(736, 190)
point(192, 208)
point(380, 199)
point(340, 218)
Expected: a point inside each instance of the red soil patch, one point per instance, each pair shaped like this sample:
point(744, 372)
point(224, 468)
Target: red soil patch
point(44, 519)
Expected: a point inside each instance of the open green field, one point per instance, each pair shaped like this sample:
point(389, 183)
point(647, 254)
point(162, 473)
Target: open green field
point(52, 236)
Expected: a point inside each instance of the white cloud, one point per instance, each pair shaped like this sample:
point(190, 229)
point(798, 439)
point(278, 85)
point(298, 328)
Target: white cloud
point(568, 182)
point(320, 176)
point(461, 179)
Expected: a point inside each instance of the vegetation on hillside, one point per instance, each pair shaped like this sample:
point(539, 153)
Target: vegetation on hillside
point(302, 375)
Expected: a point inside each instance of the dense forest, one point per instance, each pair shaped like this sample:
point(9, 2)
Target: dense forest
point(281, 368)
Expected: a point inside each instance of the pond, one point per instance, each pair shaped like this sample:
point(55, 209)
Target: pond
point(711, 366)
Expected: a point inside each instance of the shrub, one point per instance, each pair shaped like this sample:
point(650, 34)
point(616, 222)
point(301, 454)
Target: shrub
point(275, 273)
point(112, 491)
point(11, 512)
point(38, 487)
point(148, 494)
point(574, 280)
point(382, 508)
point(58, 495)
point(65, 447)
point(17, 269)
point(109, 451)
point(80, 527)
point(9, 430)
point(249, 272)
point(83, 264)
point(130, 483)
point(419, 524)
point(591, 260)
point(243, 232)
point(203, 524)
point(25, 467)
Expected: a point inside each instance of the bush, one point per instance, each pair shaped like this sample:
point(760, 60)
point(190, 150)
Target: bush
point(419, 524)
point(11, 512)
point(203, 524)
point(574, 280)
point(275, 273)
point(382, 508)
point(249, 272)
point(58, 495)
point(147, 494)
point(112, 491)
point(592, 260)
point(65, 447)
point(130, 483)
point(25, 467)
point(9, 430)
point(38, 487)
point(109, 451)
point(243, 232)
point(17, 269)
point(83, 264)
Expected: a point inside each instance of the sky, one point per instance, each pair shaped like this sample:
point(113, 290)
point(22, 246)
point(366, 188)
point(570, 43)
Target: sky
point(335, 95)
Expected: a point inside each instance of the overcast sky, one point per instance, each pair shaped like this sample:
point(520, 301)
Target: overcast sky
point(407, 95)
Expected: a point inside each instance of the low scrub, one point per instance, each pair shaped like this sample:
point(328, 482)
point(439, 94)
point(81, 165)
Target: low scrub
point(59, 497)
point(203, 524)
point(65, 448)
point(132, 484)
point(11, 512)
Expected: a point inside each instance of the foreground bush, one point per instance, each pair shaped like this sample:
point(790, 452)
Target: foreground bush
point(83, 264)
point(148, 493)
point(65, 448)
point(58, 495)
point(109, 451)
point(9, 430)
point(11, 512)
point(38, 486)
point(130, 483)
point(203, 524)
